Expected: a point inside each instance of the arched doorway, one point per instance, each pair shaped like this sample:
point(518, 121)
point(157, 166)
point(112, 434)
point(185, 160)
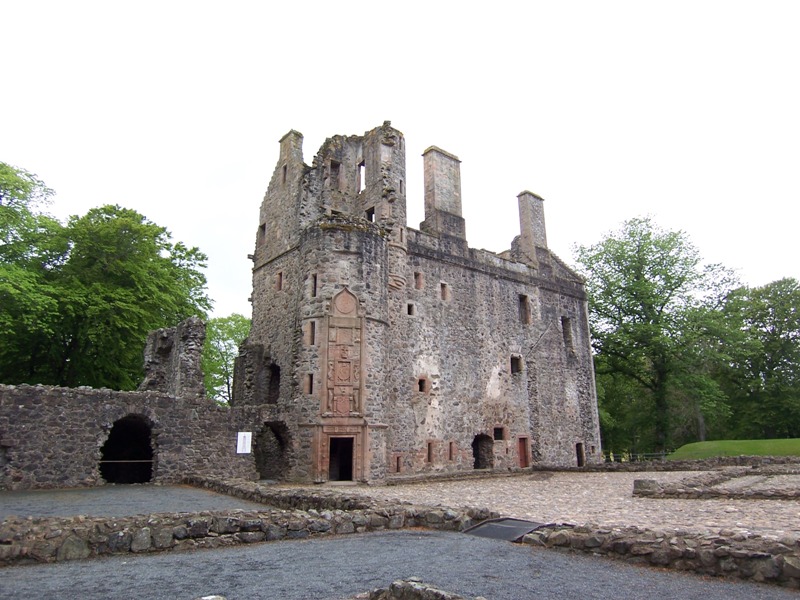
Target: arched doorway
point(127, 455)
point(483, 452)
point(271, 450)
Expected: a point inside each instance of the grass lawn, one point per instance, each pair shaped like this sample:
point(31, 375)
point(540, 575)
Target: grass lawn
point(737, 448)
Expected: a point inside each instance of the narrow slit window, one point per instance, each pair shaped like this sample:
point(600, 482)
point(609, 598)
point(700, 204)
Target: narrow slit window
point(362, 176)
point(312, 333)
point(516, 365)
point(398, 464)
point(333, 182)
point(262, 233)
point(284, 171)
point(566, 330)
point(524, 309)
point(401, 187)
point(451, 451)
point(444, 289)
point(279, 281)
point(411, 309)
point(429, 457)
point(314, 285)
point(309, 383)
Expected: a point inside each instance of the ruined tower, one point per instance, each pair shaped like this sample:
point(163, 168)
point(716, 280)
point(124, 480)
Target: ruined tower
point(377, 350)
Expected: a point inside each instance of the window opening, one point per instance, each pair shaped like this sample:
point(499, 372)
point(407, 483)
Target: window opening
point(309, 383)
point(312, 333)
point(333, 182)
point(451, 451)
point(398, 464)
point(419, 280)
point(279, 281)
point(445, 291)
point(516, 365)
point(370, 214)
point(524, 310)
point(430, 452)
point(262, 233)
point(274, 386)
point(422, 384)
point(314, 285)
point(362, 178)
point(283, 174)
point(566, 330)
point(401, 187)
point(498, 434)
point(411, 309)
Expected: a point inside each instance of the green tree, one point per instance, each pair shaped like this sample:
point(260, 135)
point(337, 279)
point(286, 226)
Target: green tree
point(78, 300)
point(223, 337)
point(654, 317)
point(763, 380)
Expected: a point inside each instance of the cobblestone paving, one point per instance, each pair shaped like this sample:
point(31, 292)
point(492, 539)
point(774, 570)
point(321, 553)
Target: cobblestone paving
point(601, 498)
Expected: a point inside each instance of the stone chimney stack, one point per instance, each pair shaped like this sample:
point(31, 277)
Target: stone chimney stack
point(442, 177)
point(531, 226)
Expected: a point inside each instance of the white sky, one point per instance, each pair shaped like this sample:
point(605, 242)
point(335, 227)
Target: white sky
point(687, 111)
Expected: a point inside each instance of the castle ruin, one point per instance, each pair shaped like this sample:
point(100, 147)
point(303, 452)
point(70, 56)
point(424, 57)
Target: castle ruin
point(378, 351)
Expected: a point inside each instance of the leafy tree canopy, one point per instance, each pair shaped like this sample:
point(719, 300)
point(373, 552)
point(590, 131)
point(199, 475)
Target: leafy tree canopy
point(224, 335)
point(77, 300)
point(652, 310)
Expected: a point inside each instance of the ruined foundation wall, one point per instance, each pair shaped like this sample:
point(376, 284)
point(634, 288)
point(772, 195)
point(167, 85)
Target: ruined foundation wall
point(52, 437)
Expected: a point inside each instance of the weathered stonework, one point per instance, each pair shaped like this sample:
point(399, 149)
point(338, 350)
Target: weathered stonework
point(59, 437)
point(379, 351)
point(172, 360)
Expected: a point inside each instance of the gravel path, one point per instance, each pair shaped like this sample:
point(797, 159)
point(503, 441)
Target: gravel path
point(116, 501)
point(339, 567)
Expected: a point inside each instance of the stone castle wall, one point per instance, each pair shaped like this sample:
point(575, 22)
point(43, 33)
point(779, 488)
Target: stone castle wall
point(52, 437)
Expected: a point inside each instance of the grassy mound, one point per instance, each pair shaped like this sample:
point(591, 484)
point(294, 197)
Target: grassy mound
point(737, 448)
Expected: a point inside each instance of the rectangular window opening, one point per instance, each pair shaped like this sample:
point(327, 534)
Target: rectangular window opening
point(445, 291)
point(566, 330)
point(370, 214)
point(333, 181)
point(422, 385)
point(498, 434)
point(284, 171)
point(429, 458)
point(309, 383)
point(312, 333)
point(401, 187)
point(398, 464)
point(279, 281)
point(362, 177)
point(451, 451)
point(516, 365)
point(262, 233)
point(419, 280)
point(314, 285)
point(524, 310)
point(411, 309)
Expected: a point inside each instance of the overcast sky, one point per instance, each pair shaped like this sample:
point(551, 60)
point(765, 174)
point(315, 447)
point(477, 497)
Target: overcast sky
point(686, 111)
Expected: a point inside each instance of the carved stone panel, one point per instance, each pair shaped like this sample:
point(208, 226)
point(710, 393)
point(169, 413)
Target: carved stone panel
point(343, 364)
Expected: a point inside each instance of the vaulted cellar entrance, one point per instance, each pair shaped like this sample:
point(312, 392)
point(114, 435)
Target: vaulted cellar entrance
point(127, 455)
point(271, 450)
point(340, 467)
point(483, 452)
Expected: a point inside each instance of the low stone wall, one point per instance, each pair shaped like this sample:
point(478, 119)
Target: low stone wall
point(69, 538)
point(706, 464)
point(705, 486)
point(758, 558)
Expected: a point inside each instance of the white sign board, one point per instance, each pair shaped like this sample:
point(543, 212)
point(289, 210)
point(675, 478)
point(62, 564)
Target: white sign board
point(244, 440)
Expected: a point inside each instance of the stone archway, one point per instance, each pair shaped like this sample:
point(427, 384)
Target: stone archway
point(127, 455)
point(271, 450)
point(483, 452)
